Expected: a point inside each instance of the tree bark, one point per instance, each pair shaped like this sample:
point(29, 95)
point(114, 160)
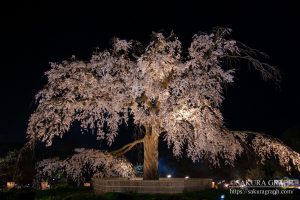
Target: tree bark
point(126, 148)
point(151, 154)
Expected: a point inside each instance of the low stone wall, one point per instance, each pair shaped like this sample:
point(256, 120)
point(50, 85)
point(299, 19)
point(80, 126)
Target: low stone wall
point(170, 185)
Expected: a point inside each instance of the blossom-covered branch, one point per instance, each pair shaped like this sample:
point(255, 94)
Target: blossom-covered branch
point(84, 165)
point(266, 146)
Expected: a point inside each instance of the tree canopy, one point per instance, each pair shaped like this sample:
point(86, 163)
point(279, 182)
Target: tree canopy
point(176, 92)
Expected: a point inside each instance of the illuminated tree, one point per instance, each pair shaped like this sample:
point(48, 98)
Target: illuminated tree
point(169, 92)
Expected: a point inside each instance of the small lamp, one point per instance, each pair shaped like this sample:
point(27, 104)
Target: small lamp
point(10, 184)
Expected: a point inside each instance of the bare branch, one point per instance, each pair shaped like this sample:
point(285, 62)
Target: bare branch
point(126, 148)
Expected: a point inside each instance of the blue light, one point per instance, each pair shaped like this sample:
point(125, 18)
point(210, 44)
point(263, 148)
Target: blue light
point(164, 168)
point(222, 196)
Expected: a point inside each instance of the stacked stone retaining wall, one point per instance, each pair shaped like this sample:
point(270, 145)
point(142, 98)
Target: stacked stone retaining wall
point(172, 185)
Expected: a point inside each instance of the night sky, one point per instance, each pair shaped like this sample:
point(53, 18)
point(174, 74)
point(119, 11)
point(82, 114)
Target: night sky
point(34, 34)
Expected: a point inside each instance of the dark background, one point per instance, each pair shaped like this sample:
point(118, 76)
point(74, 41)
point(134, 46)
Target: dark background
point(36, 33)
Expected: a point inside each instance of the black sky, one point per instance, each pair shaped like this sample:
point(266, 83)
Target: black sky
point(35, 33)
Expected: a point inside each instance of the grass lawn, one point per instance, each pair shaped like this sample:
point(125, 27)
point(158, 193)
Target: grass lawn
point(72, 193)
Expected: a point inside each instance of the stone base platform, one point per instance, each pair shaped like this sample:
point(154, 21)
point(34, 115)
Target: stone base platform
point(163, 185)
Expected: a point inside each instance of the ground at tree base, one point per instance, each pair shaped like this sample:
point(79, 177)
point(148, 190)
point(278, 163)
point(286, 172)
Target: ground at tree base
point(73, 193)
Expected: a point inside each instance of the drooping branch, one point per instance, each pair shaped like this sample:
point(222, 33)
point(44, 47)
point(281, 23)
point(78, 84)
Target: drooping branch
point(83, 165)
point(126, 148)
point(266, 146)
point(267, 71)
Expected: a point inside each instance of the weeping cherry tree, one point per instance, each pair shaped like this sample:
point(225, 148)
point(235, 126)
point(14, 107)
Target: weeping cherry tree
point(169, 91)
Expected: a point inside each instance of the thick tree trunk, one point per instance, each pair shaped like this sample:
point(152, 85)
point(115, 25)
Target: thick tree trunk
point(151, 154)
